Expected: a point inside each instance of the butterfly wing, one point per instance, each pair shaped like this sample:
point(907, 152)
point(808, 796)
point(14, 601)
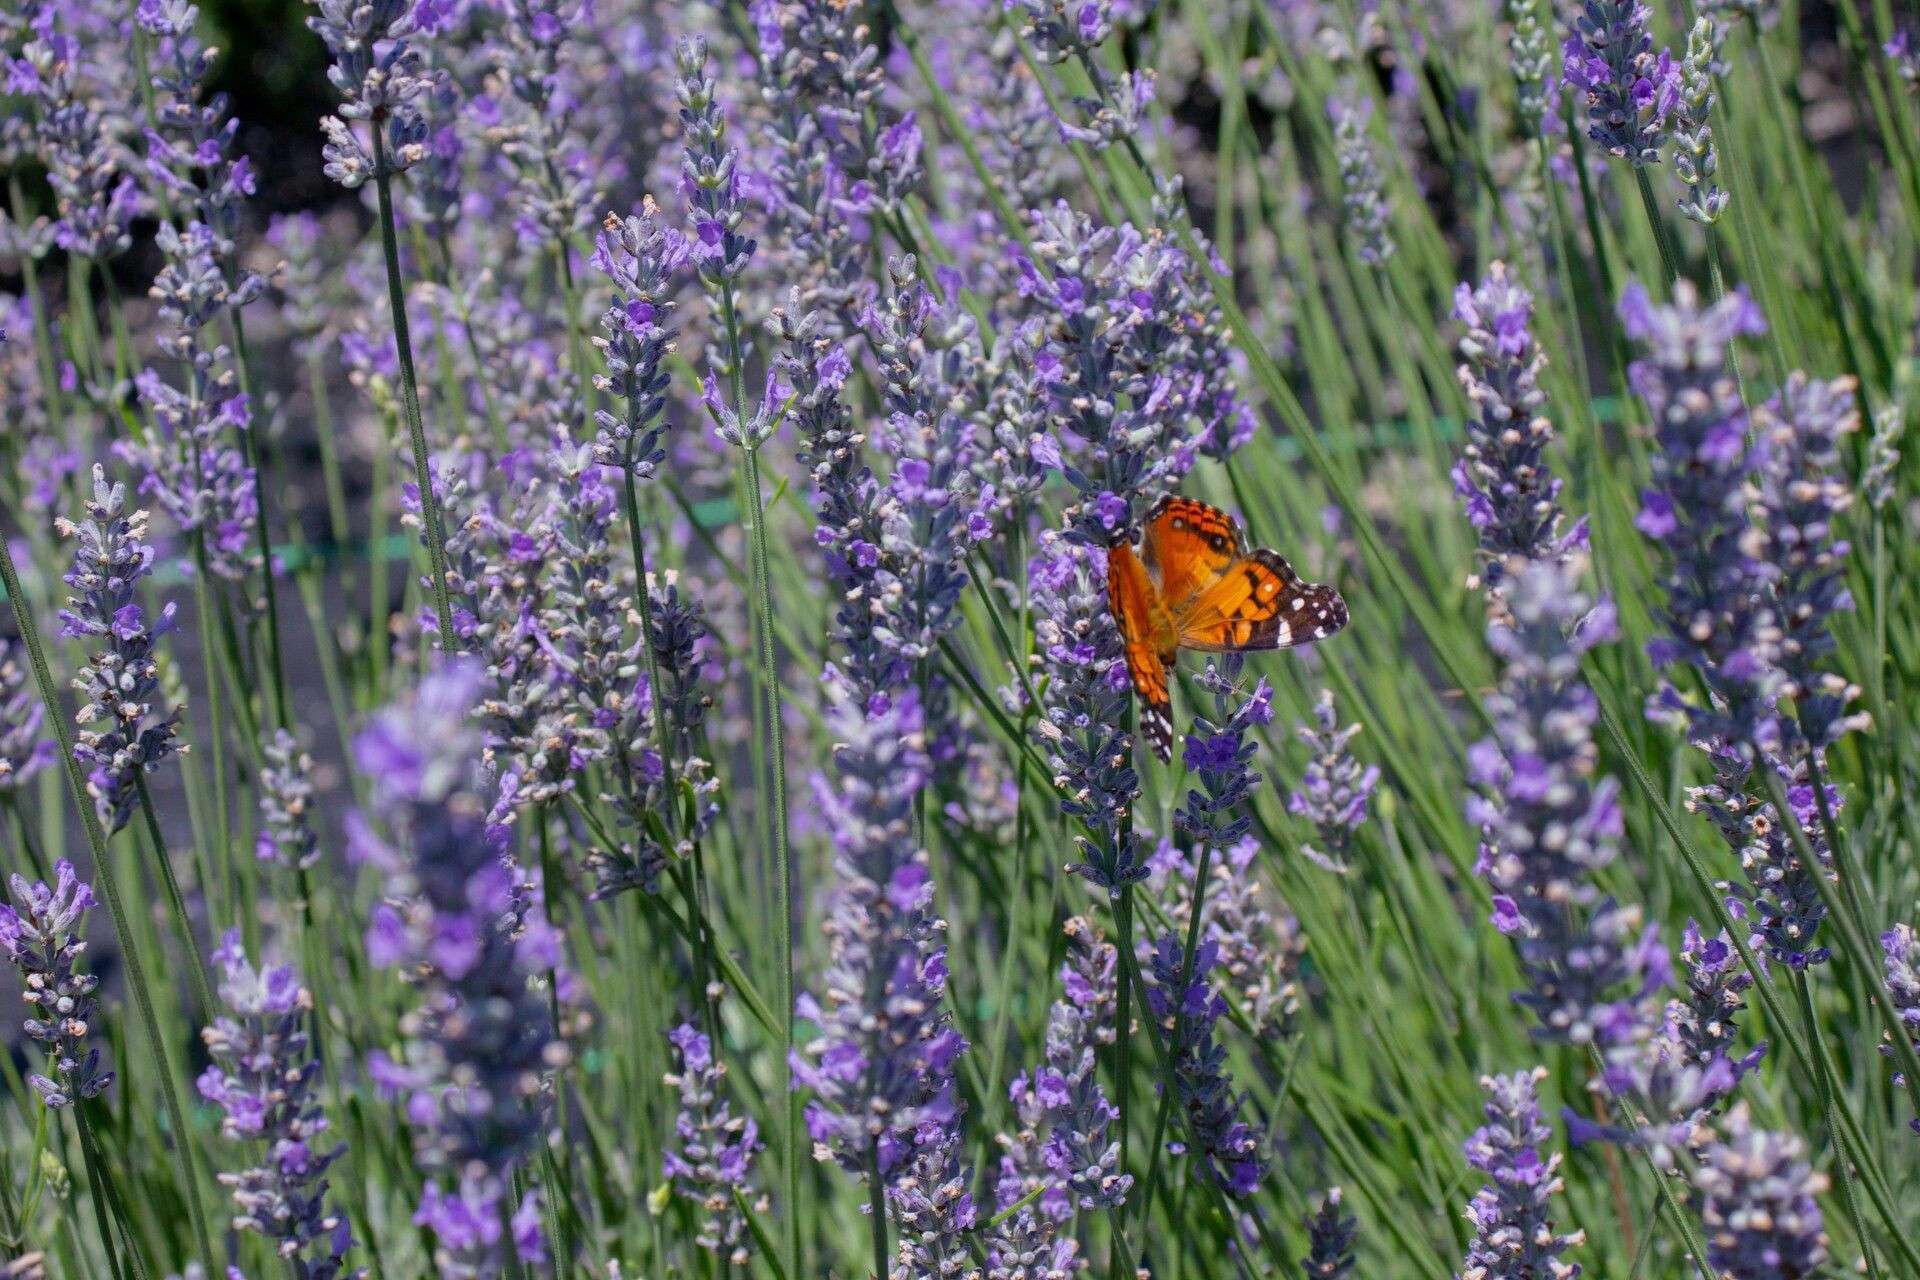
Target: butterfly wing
point(1259, 602)
point(1189, 546)
point(1134, 601)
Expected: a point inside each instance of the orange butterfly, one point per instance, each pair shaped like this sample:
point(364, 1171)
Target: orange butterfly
point(1197, 587)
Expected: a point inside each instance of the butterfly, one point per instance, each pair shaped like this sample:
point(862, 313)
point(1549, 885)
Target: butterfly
point(1194, 585)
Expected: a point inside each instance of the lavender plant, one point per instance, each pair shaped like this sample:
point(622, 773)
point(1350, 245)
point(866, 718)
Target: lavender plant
point(1335, 788)
point(1513, 1227)
point(44, 937)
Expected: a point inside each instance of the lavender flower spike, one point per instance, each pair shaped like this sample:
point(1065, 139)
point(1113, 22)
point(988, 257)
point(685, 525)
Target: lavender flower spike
point(23, 751)
point(1228, 1151)
point(640, 257)
point(379, 76)
point(1719, 617)
point(1362, 188)
point(1514, 1237)
point(287, 836)
point(1631, 91)
point(1331, 1232)
point(882, 1063)
point(717, 1148)
point(1902, 960)
point(43, 935)
point(262, 1077)
point(127, 726)
point(1759, 1203)
point(1694, 157)
point(456, 917)
point(1334, 789)
point(1511, 494)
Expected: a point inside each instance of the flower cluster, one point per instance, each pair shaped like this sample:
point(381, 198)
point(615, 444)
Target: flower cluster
point(23, 752)
point(196, 469)
point(1900, 948)
point(1694, 158)
point(1059, 31)
point(1513, 1230)
point(1335, 788)
point(286, 836)
point(1631, 92)
point(262, 1078)
point(1511, 494)
point(640, 258)
point(714, 1161)
point(1783, 904)
point(455, 919)
point(1260, 942)
point(77, 137)
point(1803, 500)
point(710, 171)
point(1078, 1154)
point(1759, 1202)
point(1227, 1150)
point(381, 81)
point(127, 723)
point(1719, 618)
point(1362, 188)
point(1085, 709)
point(43, 936)
point(1220, 753)
point(1704, 1021)
point(1331, 1232)
point(881, 1065)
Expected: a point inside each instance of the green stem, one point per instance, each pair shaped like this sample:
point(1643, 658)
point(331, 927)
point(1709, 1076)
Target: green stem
point(1651, 203)
point(1823, 1076)
point(137, 981)
point(176, 901)
point(436, 538)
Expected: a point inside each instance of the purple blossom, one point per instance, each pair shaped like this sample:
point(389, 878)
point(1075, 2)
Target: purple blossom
point(1078, 1154)
point(77, 136)
point(262, 1077)
point(456, 917)
point(1369, 216)
point(1720, 619)
point(1511, 494)
point(720, 250)
point(1514, 1237)
point(1901, 950)
point(24, 752)
point(881, 1064)
point(1227, 1149)
point(1335, 788)
point(43, 934)
point(127, 724)
point(1331, 1233)
point(640, 257)
point(714, 1160)
point(1631, 92)
point(379, 76)
point(1085, 709)
point(1694, 159)
point(1759, 1204)
point(287, 836)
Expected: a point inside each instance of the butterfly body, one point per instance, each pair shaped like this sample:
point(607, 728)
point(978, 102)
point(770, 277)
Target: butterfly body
point(1192, 585)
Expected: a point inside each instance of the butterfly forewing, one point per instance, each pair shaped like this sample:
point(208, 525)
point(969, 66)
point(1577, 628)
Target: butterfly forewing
point(1261, 603)
point(1188, 546)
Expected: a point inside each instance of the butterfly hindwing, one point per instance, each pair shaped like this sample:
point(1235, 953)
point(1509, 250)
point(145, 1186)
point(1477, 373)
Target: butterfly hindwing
point(1259, 602)
point(1134, 602)
point(1188, 546)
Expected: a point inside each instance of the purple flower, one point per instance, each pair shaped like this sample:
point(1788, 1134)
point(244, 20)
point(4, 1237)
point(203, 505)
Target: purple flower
point(1227, 1149)
point(1331, 1233)
point(262, 1077)
point(881, 1064)
point(1719, 616)
point(1631, 92)
point(1901, 949)
point(126, 725)
point(714, 1161)
point(1758, 1202)
point(1334, 789)
point(1514, 1237)
point(23, 751)
point(1512, 495)
point(43, 934)
point(1363, 194)
point(1085, 709)
point(640, 257)
point(79, 138)
point(286, 801)
point(708, 166)
point(459, 920)
point(381, 81)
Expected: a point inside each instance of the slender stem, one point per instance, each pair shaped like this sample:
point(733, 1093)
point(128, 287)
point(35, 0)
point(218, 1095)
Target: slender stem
point(1661, 235)
point(436, 537)
point(176, 901)
point(1123, 1044)
point(262, 525)
point(170, 1095)
point(1823, 1076)
point(877, 1211)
